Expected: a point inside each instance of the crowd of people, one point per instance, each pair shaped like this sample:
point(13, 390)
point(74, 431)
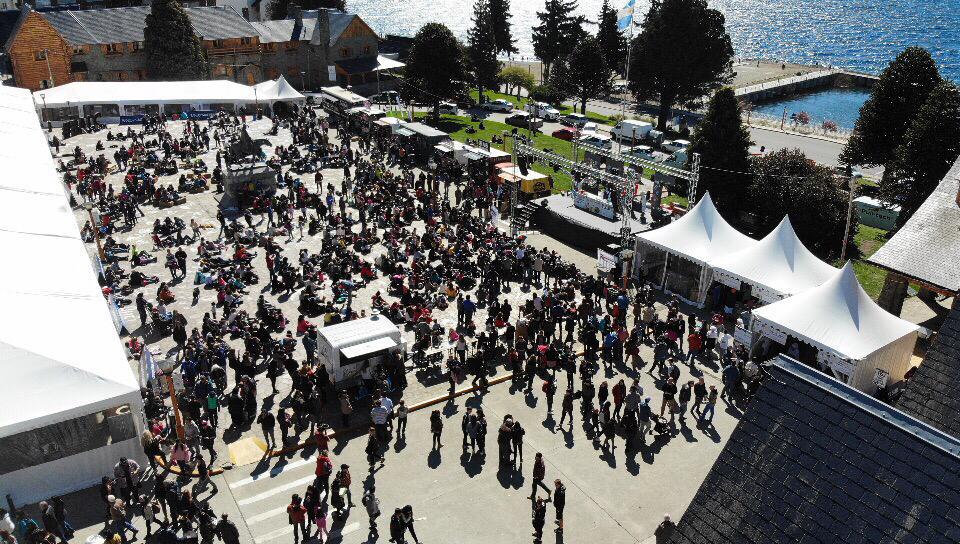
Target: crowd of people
point(430, 233)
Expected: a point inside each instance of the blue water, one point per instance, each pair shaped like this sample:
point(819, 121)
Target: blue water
point(841, 106)
point(855, 34)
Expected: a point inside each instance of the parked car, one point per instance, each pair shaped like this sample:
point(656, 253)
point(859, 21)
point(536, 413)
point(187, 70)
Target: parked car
point(448, 107)
point(672, 146)
point(386, 97)
point(597, 140)
point(542, 110)
point(644, 152)
point(589, 128)
point(574, 120)
point(499, 105)
point(566, 133)
point(525, 120)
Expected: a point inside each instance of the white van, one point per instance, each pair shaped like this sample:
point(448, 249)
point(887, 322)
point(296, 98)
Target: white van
point(631, 130)
point(672, 146)
point(542, 110)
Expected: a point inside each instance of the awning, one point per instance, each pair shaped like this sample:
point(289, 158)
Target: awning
point(367, 64)
point(443, 148)
point(404, 131)
point(370, 347)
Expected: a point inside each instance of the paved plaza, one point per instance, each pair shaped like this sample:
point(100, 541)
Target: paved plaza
point(612, 497)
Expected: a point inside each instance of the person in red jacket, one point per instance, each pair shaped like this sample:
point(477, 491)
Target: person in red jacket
point(297, 516)
point(323, 472)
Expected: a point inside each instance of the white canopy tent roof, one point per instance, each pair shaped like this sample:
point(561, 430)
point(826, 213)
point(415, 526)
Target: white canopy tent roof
point(145, 92)
point(701, 235)
point(277, 90)
point(837, 316)
point(777, 266)
point(59, 350)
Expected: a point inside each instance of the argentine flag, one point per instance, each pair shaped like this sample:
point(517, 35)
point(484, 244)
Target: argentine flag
point(625, 16)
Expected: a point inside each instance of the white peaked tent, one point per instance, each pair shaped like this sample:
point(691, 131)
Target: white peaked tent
point(69, 403)
point(776, 267)
point(679, 256)
point(856, 339)
point(278, 90)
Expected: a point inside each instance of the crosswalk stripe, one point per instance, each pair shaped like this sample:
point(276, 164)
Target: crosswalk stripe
point(347, 529)
point(277, 490)
point(266, 515)
point(273, 473)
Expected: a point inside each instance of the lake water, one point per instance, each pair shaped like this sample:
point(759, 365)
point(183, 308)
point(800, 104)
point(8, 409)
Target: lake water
point(855, 34)
point(841, 106)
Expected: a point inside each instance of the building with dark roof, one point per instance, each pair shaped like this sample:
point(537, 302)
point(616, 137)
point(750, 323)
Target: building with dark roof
point(933, 393)
point(921, 251)
point(54, 47)
point(813, 460)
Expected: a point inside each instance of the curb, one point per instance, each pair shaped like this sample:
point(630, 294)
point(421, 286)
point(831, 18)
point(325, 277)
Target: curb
point(799, 135)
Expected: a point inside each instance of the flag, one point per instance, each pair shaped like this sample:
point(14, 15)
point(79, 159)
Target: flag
point(625, 16)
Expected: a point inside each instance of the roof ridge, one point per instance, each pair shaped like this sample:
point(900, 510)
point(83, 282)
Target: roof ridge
point(94, 39)
point(890, 415)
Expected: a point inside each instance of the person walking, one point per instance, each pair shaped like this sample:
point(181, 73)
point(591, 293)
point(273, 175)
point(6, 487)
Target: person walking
point(323, 472)
point(559, 501)
point(539, 473)
point(699, 393)
point(372, 504)
point(566, 409)
point(345, 480)
point(227, 531)
point(711, 406)
point(683, 399)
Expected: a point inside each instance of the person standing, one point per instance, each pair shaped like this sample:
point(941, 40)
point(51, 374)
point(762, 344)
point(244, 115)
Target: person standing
point(559, 501)
point(268, 424)
point(401, 414)
point(323, 472)
point(297, 517)
point(539, 473)
point(345, 408)
point(436, 428)
point(345, 480)
point(227, 531)
point(539, 518)
point(699, 393)
point(665, 530)
point(516, 440)
point(550, 390)
point(683, 399)
point(711, 406)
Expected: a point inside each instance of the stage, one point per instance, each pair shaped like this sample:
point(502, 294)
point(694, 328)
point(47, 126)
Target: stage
point(557, 216)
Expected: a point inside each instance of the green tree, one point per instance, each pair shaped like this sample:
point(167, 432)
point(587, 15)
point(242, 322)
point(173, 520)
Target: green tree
point(683, 52)
point(548, 93)
point(481, 48)
point(785, 182)
point(436, 66)
point(930, 147)
point(585, 73)
point(559, 30)
point(723, 143)
point(613, 44)
point(173, 50)
point(516, 78)
point(885, 117)
point(500, 11)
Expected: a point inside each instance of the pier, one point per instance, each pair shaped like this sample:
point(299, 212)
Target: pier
point(806, 82)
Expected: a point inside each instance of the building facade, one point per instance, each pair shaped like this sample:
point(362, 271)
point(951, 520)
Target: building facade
point(311, 49)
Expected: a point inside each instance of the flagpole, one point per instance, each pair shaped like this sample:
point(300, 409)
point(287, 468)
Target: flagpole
point(626, 77)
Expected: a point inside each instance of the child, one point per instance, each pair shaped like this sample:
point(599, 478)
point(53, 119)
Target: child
point(320, 519)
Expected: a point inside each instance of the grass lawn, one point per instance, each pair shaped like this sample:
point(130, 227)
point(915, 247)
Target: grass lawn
point(565, 109)
point(868, 240)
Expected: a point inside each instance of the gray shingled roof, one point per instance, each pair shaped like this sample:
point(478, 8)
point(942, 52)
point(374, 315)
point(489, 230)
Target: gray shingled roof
point(926, 247)
point(933, 394)
point(116, 25)
point(813, 460)
point(284, 30)
point(339, 21)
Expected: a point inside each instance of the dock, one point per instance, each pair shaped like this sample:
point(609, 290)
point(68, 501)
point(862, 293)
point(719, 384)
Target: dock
point(804, 82)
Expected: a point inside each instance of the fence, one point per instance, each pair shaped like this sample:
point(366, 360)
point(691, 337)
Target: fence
point(814, 128)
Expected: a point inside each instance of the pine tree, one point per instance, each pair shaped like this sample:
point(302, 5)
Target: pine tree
point(930, 147)
point(723, 143)
point(173, 50)
point(481, 48)
point(585, 73)
point(613, 44)
point(682, 53)
point(559, 30)
point(885, 117)
point(500, 12)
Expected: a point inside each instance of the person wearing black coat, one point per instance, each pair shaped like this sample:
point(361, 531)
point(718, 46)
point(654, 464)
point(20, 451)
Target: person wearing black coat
point(227, 531)
point(397, 528)
point(559, 501)
point(539, 518)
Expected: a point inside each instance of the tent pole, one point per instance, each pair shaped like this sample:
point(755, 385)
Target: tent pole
point(176, 405)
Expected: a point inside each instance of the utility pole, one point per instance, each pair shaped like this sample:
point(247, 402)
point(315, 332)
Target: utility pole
point(46, 56)
point(694, 179)
point(852, 183)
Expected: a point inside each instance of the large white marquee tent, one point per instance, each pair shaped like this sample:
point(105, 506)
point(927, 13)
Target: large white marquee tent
point(278, 90)
point(776, 267)
point(855, 337)
point(679, 256)
point(69, 402)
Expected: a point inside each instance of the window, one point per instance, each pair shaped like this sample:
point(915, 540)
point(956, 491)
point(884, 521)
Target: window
point(40, 55)
point(79, 50)
point(218, 44)
point(122, 76)
point(80, 76)
point(45, 84)
point(366, 50)
point(136, 46)
point(112, 49)
point(246, 41)
point(269, 47)
point(345, 52)
point(246, 13)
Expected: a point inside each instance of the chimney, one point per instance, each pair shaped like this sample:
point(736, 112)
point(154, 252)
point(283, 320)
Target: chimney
point(295, 12)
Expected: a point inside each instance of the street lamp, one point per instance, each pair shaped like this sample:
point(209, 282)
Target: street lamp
point(96, 231)
point(852, 180)
point(303, 85)
point(43, 97)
